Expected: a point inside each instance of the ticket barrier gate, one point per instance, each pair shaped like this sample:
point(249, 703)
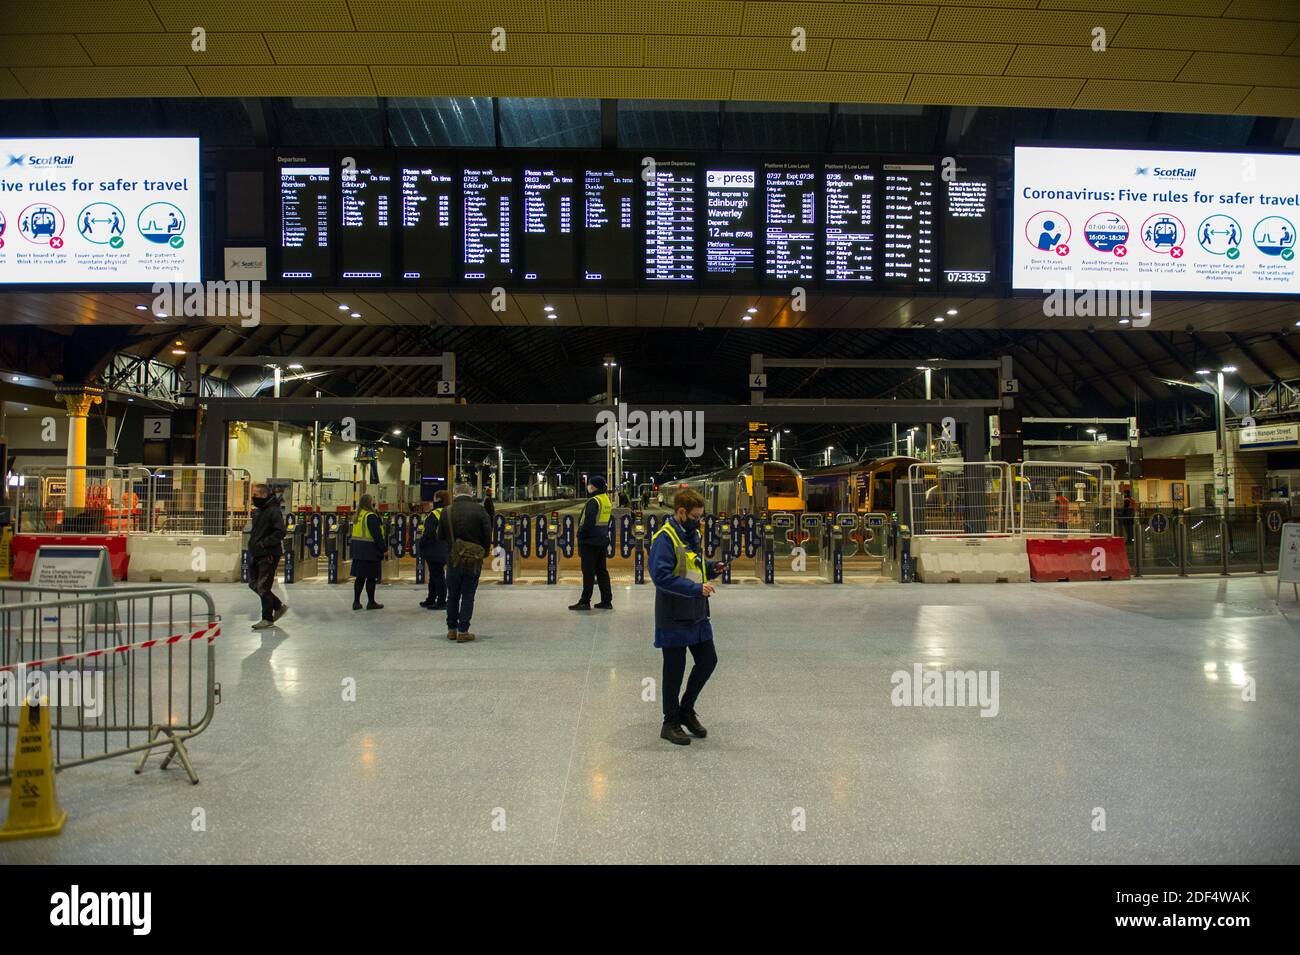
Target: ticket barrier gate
point(553, 543)
point(837, 536)
point(414, 531)
point(811, 526)
point(299, 562)
point(897, 559)
point(874, 532)
point(728, 535)
point(507, 523)
point(768, 526)
point(632, 542)
point(338, 531)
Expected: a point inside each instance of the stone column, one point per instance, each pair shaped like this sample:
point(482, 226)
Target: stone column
point(79, 401)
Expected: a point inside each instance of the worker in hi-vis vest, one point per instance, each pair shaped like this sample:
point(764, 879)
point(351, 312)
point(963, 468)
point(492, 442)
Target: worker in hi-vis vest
point(593, 540)
point(433, 551)
point(367, 550)
point(682, 592)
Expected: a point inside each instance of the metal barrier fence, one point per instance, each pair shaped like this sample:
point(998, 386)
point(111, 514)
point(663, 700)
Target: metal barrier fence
point(113, 500)
point(1200, 540)
point(124, 670)
point(180, 500)
point(199, 499)
point(970, 499)
point(1065, 497)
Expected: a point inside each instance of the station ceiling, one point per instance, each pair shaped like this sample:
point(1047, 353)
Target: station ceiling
point(1202, 56)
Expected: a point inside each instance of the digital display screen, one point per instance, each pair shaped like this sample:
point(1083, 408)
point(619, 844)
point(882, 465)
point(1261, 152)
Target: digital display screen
point(730, 215)
point(99, 210)
point(908, 212)
point(548, 225)
point(487, 250)
point(608, 223)
point(305, 222)
point(850, 226)
point(670, 223)
point(968, 257)
point(1156, 220)
point(365, 222)
point(429, 195)
point(790, 218)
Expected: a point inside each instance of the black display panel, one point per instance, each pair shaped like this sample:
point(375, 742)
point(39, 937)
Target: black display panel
point(848, 194)
point(305, 204)
point(548, 226)
point(730, 218)
point(669, 248)
point(790, 222)
point(609, 226)
point(908, 213)
point(365, 220)
point(968, 232)
point(430, 196)
point(487, 251)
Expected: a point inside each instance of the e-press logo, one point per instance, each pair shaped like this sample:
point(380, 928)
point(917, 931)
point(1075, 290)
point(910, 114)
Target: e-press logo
point(730, 179)
point(75, 908)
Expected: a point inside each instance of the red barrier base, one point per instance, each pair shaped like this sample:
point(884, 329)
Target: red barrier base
point(24, 547)
point(1077, 558)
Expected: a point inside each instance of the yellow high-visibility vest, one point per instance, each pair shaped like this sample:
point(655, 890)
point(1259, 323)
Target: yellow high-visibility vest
point(689, 564)
point(361, 526)
point(604, 506)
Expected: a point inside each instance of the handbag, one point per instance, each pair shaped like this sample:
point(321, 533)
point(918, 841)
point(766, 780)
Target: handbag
point(465, 555)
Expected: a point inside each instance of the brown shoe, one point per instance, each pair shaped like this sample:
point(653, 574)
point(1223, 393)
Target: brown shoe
point(464, 637)
point(451, 635)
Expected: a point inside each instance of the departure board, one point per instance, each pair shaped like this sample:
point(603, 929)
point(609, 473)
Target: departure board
point(790, 220)
point(487, 253)
point(968, 257)
point(608, 224)
point(548, 225)
point(850, 227)
point(908, 213)
point(305, 222)
point(670, 223)
point(429, 194)
point(730, 216)
point(365, 208)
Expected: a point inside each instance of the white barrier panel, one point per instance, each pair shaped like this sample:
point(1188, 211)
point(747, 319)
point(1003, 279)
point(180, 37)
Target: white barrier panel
point(971, 560)
point(197, 559)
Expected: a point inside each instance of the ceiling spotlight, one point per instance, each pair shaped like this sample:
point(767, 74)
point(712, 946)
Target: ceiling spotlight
point(344, 308)
point(785, 430)
point(747, 318)
point(952, 311)
point(1203, 371)
point(130, 399)
point(1092, 430)
point(1144, 314)
point(939, 319)
point(548, 308)
point(397, 431)
point(178, 351)
point(160, 314)
point(356, 314)
point(142, 308)
point(295, 367)
point(1124, 321)
point(751, 310)
point(1229, 368)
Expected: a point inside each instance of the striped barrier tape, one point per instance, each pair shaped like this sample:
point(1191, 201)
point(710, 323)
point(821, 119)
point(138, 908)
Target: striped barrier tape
point(210, 632)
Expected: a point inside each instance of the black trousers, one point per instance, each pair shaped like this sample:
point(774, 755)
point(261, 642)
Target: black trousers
point(261, 576)
point(437, 581)
point(706, 659)
point(594, 572)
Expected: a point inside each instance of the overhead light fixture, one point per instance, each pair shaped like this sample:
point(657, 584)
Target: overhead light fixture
point(1144, 314)
point(747, 318)
point(178, 351)
point(1229, 368)
point(344, 308)
point(130, 399)
point(142, 308)
point(160, 314)
point(397, 431)
point(295, 367)
point(785, 430)
point(751, 310)
point(952, 311)
point(1203, 371)
point(356, 314)
point(1092, 430)
point(548, 308)
point(938, 319)
point(1124, 321)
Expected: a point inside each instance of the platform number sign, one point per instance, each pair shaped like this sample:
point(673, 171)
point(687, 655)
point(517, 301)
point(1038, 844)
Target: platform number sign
point(1010, 386)
point(435, 432)
point(1158, 523)
point(446, 388)
point(157, 429)
point(757, 382)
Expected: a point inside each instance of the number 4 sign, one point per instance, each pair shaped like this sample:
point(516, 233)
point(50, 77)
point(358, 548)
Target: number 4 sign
point(758, 382)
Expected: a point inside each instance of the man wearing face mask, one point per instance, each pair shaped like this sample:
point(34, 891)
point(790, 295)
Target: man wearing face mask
point(682, 592)
point(265, 548)
point(593, 540)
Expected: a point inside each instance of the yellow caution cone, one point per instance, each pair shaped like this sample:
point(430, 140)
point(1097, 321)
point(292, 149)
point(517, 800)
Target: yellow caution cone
point(33, 803)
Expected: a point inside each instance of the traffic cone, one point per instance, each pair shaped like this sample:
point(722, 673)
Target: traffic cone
point(33, 803)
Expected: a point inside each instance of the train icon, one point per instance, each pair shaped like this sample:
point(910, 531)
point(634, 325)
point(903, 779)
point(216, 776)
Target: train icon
point(1163, 233)
point(41, 223)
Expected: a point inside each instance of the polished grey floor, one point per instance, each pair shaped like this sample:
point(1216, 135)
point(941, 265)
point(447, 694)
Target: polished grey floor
point(535, 744)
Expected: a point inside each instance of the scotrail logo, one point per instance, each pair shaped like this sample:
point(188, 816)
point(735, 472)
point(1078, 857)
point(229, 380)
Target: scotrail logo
point(48, 160)
point(658, 429)
point(16, 160)
point(73, 908)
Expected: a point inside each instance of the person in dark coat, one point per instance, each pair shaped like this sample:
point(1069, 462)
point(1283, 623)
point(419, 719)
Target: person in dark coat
point(265, 548)
point(433, 551)
point(367, 551)
point(464, 519)
point(682, 592)
point(593, 542)
point(489, 506)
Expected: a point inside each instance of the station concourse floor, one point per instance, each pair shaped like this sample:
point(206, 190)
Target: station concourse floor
point(1124, 696)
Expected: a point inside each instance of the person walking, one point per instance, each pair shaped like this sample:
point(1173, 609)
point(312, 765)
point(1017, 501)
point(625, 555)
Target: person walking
point(468, 532)
point(682, 592)
point(265, 548)
point(433, 551)
point(593, 543)
point(489, 506)
point(368, 548)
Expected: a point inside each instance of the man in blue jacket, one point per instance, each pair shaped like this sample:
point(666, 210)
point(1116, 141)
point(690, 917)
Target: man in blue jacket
point(593, 541)
point(682, 592)
point(433, 551)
